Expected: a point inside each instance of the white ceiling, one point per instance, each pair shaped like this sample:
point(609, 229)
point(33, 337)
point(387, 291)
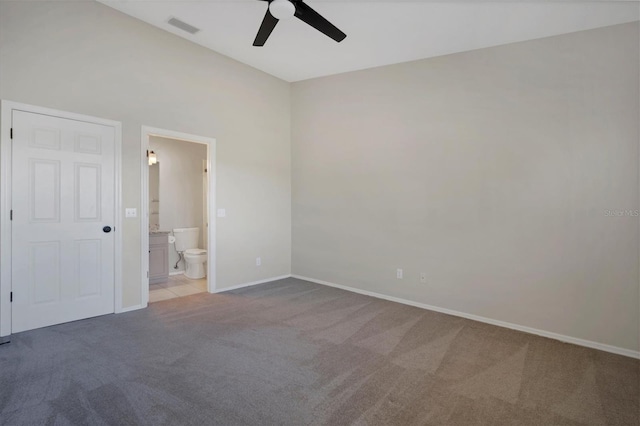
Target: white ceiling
point(378, 32)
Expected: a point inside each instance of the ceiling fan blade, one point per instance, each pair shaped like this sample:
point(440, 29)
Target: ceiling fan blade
point(305, 13)
point(267, 26)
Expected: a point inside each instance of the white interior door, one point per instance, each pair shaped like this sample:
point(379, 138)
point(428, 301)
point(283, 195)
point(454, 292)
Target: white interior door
point(63, 195)
point(205, 205)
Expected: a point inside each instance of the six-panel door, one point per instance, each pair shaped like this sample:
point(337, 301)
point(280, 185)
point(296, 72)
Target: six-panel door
point(63, 195)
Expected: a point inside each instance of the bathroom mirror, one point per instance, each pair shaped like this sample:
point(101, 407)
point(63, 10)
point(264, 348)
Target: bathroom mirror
point(154, 197)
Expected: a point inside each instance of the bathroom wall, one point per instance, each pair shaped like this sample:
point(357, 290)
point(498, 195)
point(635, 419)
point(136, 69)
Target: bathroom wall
point(180, 188)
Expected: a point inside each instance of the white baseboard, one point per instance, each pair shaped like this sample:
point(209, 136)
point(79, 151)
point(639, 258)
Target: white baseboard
point(566, 339)
point(267, 280)
point(181, 272)
point(131, 308)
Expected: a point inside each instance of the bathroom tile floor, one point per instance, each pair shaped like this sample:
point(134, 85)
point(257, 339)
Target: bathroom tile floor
point(177, 286)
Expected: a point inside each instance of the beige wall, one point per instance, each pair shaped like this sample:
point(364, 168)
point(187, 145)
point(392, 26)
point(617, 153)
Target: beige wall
point(181, 196)
point(489, 170)
point(87, 58)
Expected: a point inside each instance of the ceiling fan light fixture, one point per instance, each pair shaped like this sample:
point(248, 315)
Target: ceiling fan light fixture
point(282, 9)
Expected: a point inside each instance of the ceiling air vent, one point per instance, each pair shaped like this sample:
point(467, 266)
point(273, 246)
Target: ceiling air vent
point(183, 26)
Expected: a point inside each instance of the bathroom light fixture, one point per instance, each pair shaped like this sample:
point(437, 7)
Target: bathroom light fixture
point(153, 158)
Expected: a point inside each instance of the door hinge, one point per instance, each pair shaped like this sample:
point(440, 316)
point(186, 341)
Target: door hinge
point(11, 133)
point(10, 214)
point(11, 297)
point(147, 153)
point(148, 271)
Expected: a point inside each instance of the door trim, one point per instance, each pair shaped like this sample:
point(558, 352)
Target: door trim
point(6, 110)
point(146, 132)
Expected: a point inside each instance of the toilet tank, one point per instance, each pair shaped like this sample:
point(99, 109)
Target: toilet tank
point(186, 238)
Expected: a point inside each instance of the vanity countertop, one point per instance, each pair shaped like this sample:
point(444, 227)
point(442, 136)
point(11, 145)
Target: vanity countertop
point(158, 232)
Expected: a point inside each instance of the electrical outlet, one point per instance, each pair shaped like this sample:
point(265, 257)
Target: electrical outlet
point(399, 274)
point(222, 213)
point(258, 261)
point(423, 277)
point(131, 212)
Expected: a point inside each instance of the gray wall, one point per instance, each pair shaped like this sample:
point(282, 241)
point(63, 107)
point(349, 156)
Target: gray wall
point(181, 196)
point(491, 171)
point(87, 58)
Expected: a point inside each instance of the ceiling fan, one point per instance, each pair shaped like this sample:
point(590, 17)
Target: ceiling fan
point(283, 9)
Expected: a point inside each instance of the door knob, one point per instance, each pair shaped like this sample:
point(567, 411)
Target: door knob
point(106, 229)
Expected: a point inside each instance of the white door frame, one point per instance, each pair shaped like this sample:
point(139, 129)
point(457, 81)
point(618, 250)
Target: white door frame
point(148, 131)
point(6, 110)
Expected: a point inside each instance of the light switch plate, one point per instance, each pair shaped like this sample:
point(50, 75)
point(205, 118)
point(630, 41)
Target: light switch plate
point(131, 212)
point(222, 212)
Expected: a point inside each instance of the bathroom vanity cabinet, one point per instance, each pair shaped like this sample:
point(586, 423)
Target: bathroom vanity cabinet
point(158, 257)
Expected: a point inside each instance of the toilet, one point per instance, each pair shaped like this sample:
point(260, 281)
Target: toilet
point(194, 257)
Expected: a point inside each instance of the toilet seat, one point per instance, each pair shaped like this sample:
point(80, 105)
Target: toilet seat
point(195, 251)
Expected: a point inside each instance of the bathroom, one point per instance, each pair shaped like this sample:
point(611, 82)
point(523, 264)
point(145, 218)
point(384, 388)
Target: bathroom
point(177, 218)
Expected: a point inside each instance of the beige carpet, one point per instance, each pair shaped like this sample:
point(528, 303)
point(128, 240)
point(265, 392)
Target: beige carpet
point(296, 353)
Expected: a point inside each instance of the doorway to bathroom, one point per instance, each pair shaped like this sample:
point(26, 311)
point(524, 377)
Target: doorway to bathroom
point(178, 196)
